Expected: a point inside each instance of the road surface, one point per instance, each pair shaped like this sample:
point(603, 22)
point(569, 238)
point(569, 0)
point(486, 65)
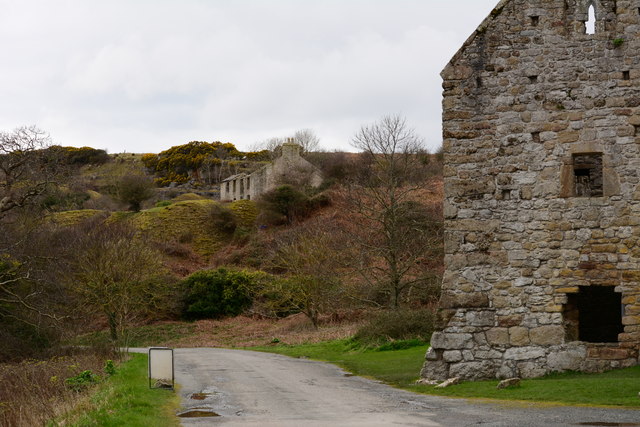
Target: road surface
point(260, 389)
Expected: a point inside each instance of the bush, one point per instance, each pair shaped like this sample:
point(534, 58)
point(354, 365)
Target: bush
point(285, 204)
point(222, 219)
point(401, 324)
point(218, 293)
point(134, 189)
point(81, 381)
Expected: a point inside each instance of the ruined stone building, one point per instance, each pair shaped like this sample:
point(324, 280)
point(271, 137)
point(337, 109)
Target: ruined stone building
point(288, 168)
point(541, 123)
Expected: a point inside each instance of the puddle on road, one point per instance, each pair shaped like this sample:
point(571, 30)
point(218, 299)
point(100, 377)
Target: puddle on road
point(606, 424)
point(199, 396)
point(198, 413)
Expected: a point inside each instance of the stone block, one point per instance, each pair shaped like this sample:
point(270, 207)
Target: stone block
point(547, 335)
point(566, 360)
point(452, 356)
point(451, 341)
point(519, 336)
point(524, 353)
point(435, 371)
point(498, 336)
point(473, 371)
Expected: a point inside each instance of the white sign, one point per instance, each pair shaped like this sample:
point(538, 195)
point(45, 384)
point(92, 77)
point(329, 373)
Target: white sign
point(161, 367)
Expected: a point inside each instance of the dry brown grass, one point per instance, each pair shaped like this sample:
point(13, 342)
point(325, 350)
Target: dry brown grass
point(243, 331)
point(33, 392)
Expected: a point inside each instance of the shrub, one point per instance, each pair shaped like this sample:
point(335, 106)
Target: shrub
point(218, 293)
point(401, 324)
point(286, 204)
point(222, 219)
point(81, 381)
point(134, 189)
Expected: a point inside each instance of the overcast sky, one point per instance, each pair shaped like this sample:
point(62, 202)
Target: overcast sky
point(144, 75)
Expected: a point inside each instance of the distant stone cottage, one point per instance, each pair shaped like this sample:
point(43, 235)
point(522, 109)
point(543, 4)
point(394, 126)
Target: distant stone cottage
point(541, 127)
point(288, 168)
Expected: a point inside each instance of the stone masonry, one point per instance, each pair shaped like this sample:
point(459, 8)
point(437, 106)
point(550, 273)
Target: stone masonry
point(288, 168)
point(541, 126)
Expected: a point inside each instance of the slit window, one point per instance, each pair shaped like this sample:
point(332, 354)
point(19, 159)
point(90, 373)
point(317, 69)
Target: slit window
point(636, 130)
point(587, 171)
point(479, 81)
point(594, 314)
point(533, 79)
point(626, 75)
point(590, 25)
point(535, 21)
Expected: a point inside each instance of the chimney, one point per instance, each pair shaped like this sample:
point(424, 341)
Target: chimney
point(290, 149)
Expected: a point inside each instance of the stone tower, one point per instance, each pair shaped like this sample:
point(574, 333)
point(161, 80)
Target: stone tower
point(541, 122)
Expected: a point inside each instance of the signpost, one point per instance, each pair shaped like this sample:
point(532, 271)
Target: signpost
point(161, 367)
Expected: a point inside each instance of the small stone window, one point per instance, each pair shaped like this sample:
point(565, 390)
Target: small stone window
point(587, 172)
point(227, 186)
point(533, 79)
point(594, 314)
point(626, 75)
point(636, 130)
point(535, 136)
point(590, 25)
point(535, 21)
point(478, 81)
point(248, 183)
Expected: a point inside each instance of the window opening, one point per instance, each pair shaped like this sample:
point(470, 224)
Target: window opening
point(636, 130)
point(533, 79)
point(248, 183)
point(479, 81)
point(587, 171)
point(535, 20)
point(227, 186)
point(594, 315)
point(506, 194)
point(626, 75)
point(535, 136)
point(590, 25)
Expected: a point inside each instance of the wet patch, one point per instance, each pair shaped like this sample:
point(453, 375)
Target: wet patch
point(198, 413)
point(348, 375)
point(199, 396)
point(604, 424)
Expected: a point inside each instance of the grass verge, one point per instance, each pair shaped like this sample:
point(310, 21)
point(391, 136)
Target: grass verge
point(401, 368)
point(159, 334)
point(125, 399)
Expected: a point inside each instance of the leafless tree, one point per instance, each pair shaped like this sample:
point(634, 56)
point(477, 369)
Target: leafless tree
point(398, 231)
point(26, 169)
point(307, 139)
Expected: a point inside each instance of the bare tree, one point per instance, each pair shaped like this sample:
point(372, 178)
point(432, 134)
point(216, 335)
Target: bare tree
point(25, 168)
point(307, 139)
point(398, 231)
point(114, 271)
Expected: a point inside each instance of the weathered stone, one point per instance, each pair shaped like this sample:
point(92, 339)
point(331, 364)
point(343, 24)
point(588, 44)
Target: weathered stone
point(547, 335)
point(431, 354)
point(524, 353)
point(541, 128)
point(435, 370)
point(440, 340)
point(566, 360)
point(498, 336)
point(509, 383)
point(473, 371)
point(519, 336)
point(449, 382)
point(452, 356)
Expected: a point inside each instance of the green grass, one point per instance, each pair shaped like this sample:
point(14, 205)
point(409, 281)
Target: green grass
point(143, 336)
point(125, 399)
point(401, 368)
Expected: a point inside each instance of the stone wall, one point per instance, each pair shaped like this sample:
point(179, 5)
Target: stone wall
point(288, 168)
point(535, 111)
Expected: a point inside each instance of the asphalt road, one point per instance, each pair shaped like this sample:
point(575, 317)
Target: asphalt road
point(259, 389)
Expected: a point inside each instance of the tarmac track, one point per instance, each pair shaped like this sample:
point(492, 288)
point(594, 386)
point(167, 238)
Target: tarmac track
point(246, 388)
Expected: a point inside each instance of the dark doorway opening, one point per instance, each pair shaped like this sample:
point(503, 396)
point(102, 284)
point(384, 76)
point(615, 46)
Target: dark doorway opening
point(594, 315)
